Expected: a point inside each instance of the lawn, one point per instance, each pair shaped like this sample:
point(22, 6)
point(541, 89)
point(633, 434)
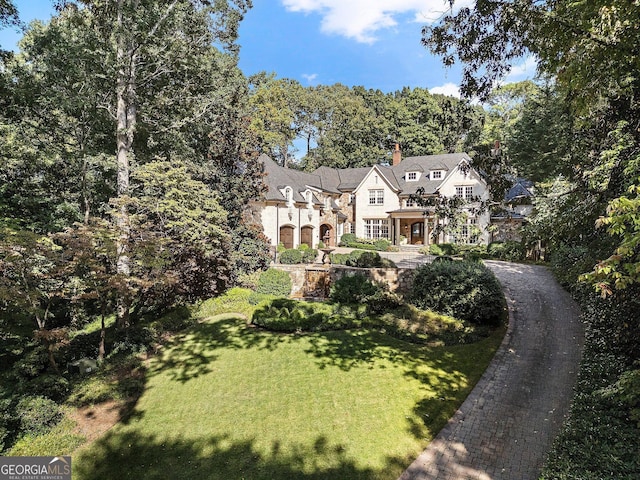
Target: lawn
point(227, 401)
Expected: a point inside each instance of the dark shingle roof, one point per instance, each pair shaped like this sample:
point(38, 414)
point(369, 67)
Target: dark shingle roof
point(335, 180)
point(278, 177)
point(425, 163)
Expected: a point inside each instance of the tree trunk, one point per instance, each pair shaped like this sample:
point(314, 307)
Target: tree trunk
point(101, 348)
point(125, 128)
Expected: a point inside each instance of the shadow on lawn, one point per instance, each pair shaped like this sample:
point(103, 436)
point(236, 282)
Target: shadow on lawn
point(130, 455)
point(190, 354)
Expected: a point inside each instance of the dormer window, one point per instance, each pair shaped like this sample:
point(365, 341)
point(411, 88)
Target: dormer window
point(309, 198)
point(288, 194)
point(412, 176)
point(436, 175)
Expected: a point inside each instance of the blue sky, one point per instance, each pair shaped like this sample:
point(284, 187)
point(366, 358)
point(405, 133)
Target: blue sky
point(372, 43)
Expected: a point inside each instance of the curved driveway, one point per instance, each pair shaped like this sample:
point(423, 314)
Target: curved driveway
point(505, 427)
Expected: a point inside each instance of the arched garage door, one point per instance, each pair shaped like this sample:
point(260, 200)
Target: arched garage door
point(286, 236)
point(306, 236)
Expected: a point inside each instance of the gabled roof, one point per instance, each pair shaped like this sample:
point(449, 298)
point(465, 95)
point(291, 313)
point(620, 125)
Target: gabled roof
point(427, 163)
point(522, 188)
point(339, 180)
point(334, 180)
point(278, 177)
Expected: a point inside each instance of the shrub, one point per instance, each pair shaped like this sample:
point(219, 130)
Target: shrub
point(383, 301)
point(569, 262)
point(442, 249)
point(274, 282)
point(350, 240)
point(54, 387)
point(347, 239)
point(352, 289)
point(465, 290)
point(291, 256)
point(382, 244)
point(309, 255)
point(286, 315)
point(508, 251)
point(37, 414)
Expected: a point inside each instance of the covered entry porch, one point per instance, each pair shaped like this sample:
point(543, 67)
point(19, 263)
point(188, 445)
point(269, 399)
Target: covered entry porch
point(412, 227)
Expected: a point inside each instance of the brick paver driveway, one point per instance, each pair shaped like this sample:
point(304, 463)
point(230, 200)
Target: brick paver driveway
point(507, 424)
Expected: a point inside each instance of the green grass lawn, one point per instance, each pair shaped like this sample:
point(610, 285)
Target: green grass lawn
point(226, 401)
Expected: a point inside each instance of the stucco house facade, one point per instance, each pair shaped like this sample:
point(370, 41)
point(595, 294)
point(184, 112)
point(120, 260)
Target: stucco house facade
point(371, 202)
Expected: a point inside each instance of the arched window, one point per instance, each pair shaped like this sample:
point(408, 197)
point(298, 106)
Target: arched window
point(288, 193)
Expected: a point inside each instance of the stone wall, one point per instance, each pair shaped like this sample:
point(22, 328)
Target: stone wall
point(313, 280)
point(398, 279)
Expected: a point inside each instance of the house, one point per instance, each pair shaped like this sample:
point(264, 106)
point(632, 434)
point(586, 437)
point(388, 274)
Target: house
point(372, 202)
point(517, 205)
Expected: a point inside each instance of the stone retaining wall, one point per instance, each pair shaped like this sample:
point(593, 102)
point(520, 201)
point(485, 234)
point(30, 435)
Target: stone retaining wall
point(398, 279)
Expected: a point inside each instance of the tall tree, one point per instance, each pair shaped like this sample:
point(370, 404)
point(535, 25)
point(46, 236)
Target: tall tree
point(154, 47)
point(275, 103)
point(592, 51)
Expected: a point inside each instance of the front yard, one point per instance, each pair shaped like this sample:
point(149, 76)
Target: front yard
point(229, 401)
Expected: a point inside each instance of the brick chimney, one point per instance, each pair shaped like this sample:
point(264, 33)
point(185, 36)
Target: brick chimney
point(397, 155)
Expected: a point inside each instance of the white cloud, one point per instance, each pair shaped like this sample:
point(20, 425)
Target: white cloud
point(449, 89)
point(310, 77)
point(526, 69)
point(361, 19)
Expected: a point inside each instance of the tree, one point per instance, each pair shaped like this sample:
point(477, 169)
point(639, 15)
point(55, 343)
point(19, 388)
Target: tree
point(274, 104)
point(30, 280)
point(155, 50)
point(591, 50)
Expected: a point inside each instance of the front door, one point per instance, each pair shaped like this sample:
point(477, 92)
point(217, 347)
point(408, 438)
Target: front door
point(306, 236)
point(417, 233)
point(286, 236)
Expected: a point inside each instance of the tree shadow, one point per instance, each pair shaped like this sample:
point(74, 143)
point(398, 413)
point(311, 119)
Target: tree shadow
point(131, 455)
point(190, 354)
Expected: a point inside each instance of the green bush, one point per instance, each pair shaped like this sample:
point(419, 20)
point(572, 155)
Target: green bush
point(350, 240)
point(508, 251)
point(465, 290)
point(347, 239)
point(569, 262)
point(286, 315)
point(383, 301)
point(291, 256)
point(352, 289)
point(361, 259)
point(442, 249)
point(52, 386)
point(274, 282)
point(382, 244)
point(37, 414)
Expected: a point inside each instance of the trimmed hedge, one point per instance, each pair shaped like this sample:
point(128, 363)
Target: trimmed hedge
point(274, 282)
point(351, 241)
point(361, 259)
point(465, 290)
point(294, 256)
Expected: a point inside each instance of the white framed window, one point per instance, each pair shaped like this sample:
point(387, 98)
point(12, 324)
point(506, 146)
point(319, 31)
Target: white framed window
point(468, 192)
point(436, 175)
point(410, 203)
point(469, 231)
point(463, 191)
point(376, 197)
point(376, 228)
point(352, 198)
point(412, 176)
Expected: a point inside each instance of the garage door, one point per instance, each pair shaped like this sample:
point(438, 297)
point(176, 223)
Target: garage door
point(286, 236)
point(306, 236)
